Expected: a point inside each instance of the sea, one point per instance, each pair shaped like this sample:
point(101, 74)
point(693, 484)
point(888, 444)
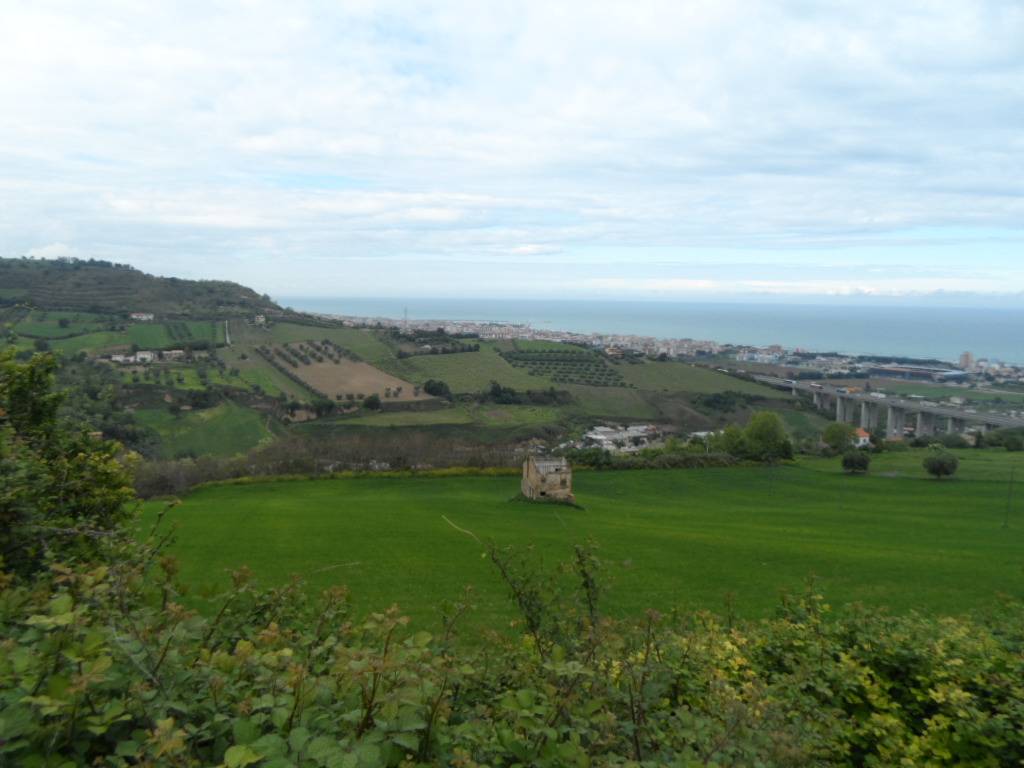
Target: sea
point(925, 332)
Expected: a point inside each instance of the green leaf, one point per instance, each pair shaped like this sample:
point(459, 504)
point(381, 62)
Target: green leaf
point(240, 756)
point(408, 741)
point(61, 604)
point(298, 738)
point(270, 745)
point(323, 749)
point(126, 748)
point(245, 731)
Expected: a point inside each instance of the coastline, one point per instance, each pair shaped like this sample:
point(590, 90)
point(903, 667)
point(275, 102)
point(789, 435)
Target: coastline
point(925, 333)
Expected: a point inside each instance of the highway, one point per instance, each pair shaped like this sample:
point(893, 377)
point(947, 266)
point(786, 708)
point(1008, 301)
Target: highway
point(904, 404)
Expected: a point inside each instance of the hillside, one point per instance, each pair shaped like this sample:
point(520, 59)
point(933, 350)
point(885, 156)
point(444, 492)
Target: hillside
point(100, 286)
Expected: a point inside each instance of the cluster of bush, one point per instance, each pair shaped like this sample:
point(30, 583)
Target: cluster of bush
point(499, 393)
point(725, 402)
point(764, 439)
point(671, 457)
point(450, 348)
point(437, 388)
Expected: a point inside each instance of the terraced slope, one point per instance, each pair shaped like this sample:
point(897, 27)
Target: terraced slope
point(99, 286)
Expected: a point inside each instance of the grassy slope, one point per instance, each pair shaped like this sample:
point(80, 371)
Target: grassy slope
point(254, 370)
point(670, 538)
point(939, 392)
point(611, 402)
point(105, 288)
point(674, 376)
point(473, 371)
point(364, 343)
point(224, 430)
point(91, 342)
point(47, 324)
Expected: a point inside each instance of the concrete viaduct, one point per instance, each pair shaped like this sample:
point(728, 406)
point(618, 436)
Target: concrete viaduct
point(866, 410)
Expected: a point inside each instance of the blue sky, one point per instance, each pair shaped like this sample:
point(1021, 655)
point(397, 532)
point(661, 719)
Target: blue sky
point(557, 149)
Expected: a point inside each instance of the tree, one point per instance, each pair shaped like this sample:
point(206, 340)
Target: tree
point(766, 439)
point(372, 402)
point(940, 464)
point(1013, 442)
point(856, 462)
point(62, 491)
point(838, 436)
point(437, 388)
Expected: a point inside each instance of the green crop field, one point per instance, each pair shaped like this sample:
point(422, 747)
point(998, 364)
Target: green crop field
point(483, 414)
point(680, 377)
point(47, 324)
point(611, 402)
point(364, 343)
point(473, 371)
point(682, 538)
point(150, 336)
point(256, 372)
point(93, 343)
point(224, 430)
point(940, 392)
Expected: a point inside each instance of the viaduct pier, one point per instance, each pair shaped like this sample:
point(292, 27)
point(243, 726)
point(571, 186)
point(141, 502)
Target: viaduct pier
point(866, 409)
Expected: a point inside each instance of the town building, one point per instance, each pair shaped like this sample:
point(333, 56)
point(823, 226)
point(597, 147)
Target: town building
point(142, 317)
point(861, 438)
point(547, 478)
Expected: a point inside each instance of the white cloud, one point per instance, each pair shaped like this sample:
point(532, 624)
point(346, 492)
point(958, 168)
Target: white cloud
point(325, 131)
point(52, 251)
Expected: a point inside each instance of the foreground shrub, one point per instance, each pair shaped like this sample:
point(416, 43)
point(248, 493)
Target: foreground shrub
point(61, 491)
point(103, 665)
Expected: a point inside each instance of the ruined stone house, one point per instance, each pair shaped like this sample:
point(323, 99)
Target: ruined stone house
point(547, 478)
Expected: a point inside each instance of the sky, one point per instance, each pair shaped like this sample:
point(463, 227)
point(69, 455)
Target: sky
point(636, 149)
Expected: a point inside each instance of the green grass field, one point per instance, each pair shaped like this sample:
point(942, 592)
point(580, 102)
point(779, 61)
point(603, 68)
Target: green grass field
point(47, 324)
point(150, 336)
point(483, 414)
point(611, 402)
point(92, 343)
point(224, 430)
point(681, 377)
point(473, 371)
point(684, 538)
point(940, 392)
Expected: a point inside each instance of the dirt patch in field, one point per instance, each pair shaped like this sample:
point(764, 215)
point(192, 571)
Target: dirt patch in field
point(352, 378)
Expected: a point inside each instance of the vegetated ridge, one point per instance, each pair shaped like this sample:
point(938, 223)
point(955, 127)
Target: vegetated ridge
point(102, 286)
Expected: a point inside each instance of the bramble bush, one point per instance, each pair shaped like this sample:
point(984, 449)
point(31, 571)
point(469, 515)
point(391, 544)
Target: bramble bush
point(102, 664)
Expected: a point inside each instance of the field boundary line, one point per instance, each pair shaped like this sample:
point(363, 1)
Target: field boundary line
point(463, 530)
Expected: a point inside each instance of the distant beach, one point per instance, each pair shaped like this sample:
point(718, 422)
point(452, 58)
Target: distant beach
point(924, 332)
